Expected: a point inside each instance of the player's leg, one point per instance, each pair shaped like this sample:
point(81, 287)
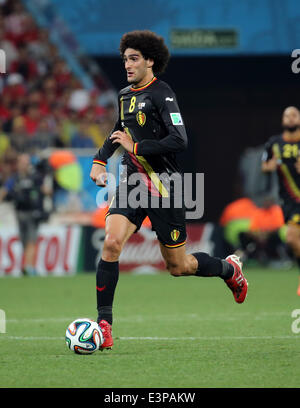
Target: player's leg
point(179, 263)
point(293, 238)
point(118, 230)
point(293, 241)
point(28, 229)
point(30, 257)
point(169, 224)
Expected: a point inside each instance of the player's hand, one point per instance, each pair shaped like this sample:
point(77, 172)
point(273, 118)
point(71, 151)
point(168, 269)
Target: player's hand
point(98, 175)
point(297, 165)
point(270, 165)
point(124, 139)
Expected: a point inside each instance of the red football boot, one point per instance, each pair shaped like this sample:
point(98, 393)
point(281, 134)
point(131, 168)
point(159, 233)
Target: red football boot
point(237, 283)
point(106, 330)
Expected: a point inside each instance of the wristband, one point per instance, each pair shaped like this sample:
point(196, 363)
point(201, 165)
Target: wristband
point(99, 162)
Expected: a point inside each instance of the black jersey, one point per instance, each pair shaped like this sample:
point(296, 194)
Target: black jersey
point(287, 154)
point(151, 116)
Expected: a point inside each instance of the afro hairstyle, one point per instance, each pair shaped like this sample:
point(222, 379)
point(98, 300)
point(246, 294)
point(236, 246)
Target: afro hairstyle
point(150, 45)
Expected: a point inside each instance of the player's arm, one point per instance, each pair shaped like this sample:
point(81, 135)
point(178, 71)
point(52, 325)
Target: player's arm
point(98, 170)
point(47, 185)
point(3, 193)
point(269, 165)
point(269, 159)
point(297, 164)
point(175, 140)
point(6, 189)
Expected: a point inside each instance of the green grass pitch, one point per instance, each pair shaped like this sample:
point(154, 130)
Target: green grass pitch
point(169, 332)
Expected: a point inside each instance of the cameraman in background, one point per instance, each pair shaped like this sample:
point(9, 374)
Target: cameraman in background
point(30, 189)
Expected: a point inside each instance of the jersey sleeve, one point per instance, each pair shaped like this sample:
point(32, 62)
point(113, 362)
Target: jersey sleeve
point(108, 148)
point(175, 140)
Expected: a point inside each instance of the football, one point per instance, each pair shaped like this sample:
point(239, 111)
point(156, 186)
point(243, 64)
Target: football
point(84, 336)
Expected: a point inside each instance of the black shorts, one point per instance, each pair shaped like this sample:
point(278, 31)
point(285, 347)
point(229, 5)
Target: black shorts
point(291, 211)
point(168, 223)
point(28, 227)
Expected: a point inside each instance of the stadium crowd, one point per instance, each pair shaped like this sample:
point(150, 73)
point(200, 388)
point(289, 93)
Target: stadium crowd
point(42, 103)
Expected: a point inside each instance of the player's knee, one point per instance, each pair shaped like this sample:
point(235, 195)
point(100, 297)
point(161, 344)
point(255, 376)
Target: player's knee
point(112, 247)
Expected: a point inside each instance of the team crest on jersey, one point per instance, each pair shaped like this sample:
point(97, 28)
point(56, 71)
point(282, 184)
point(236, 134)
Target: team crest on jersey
point(175, 235)
point(141, 118)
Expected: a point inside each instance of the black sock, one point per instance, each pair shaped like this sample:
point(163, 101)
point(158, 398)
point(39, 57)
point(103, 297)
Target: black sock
point(106, 281)
point(211, 266)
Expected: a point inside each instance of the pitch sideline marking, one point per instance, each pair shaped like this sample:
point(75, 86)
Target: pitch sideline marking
point(163, 338)
point(138, 318)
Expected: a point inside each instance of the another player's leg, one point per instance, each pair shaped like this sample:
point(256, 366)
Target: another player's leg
point(179, 263)
point(293, 241)
point(118, 230)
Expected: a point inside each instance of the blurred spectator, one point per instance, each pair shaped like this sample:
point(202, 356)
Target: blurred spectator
point(17, 135)
point(15, 87)
point(41, 51)
point(42, 103)
point(11, 52)
point(81, 138)
point(19, 25)
point(79, 99)
point(27, 189)
point(93, 126)
point(15, 111)
point(44, 137)
point(31, 119)
point(30, 30)
point(24, 65)
point(61, 74)
point(55, 119)
point(68, 126)
point(14, 21)
point(35, 97)
point(4, 142)
point(94, 105)
point(7, 164)
point(40, 47)
point(5, 104)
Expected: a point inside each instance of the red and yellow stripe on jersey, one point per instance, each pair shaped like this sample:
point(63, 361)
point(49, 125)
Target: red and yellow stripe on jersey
point(148, 169)
point(144, 86)
point(287, 179)
point(289, 183)
point(135, 149)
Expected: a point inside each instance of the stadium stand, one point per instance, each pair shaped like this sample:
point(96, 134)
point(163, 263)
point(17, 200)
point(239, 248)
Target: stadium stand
point(43, 102)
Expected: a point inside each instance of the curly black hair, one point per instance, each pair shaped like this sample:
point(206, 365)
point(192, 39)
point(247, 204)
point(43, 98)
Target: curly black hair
point(151, 46)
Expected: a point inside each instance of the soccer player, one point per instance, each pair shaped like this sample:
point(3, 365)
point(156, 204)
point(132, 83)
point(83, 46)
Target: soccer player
point(282, 154)
point(151, 130)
